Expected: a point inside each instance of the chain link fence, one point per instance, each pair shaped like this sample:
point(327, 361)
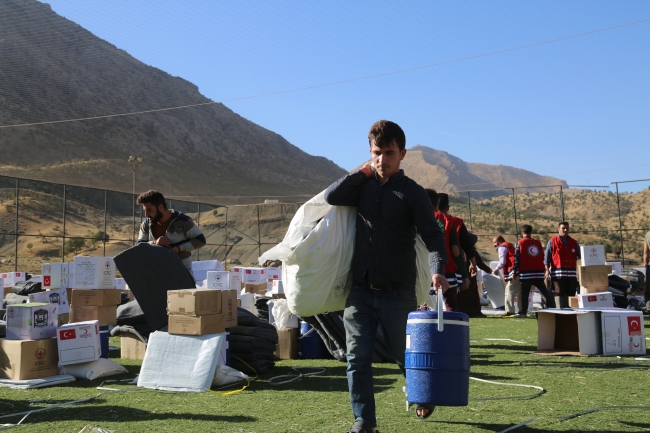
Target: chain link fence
point(44, 222)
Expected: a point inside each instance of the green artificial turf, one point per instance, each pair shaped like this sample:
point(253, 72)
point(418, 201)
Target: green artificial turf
point(320, 403)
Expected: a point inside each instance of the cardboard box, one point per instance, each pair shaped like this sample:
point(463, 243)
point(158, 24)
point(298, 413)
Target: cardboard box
point(28, 359)
point(595, 275)
point(192, 325)
point(94, 273)
point(98, 297)
point(105, 315)
point(593, 289)
point(120, 284)
point(277, 287)
point(260, 289)
point(200, 269)
point(194, 302)
point(58, 297)
point(64, 319)
point(568, 332)
point(55, 275)
point(623, 332)
point(287, 347)
point(592, 255)
point(132, 347)
point(616, 267)
point(31, 321)
point(79, 342)
point(573, 302)
point(11, 278)
point(217, 280)
point(273, 273)
point(7, 290)
point(254, 275)
point(595, 300)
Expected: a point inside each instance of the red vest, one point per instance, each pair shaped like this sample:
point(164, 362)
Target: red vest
point(531, 255)
point(510, 259)
point(564, 256)
point(451, 266)
point(531, 259)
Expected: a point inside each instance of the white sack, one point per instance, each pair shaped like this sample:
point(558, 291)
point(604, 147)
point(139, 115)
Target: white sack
point(183, 363)
point(317, 255)
point(94, 369)
point(226, 375)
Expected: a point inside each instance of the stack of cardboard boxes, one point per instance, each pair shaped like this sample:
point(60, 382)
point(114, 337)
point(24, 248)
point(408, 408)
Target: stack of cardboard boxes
point(30, 349)
point(593, 275)
point(197, 312)
point(94, 296)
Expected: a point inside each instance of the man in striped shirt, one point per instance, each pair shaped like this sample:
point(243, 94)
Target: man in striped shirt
point(529, 266)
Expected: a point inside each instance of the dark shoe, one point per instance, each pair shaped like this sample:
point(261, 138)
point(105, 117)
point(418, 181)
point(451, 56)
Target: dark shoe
point(428, 407)
point(360, 427)
point(520, 316)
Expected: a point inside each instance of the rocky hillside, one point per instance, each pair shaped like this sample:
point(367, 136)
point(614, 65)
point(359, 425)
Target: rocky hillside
point(53, 69)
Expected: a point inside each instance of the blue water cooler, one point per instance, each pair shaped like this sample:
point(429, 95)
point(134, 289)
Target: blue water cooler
point(311, 345)
point(437, 357)
point(104, 333)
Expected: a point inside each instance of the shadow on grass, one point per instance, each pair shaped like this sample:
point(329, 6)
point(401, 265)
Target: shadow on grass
point(113, 413)
point(515, 347)
point(523, 429)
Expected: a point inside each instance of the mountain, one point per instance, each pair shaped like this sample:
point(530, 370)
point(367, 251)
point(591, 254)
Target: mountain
point(444, 172)
point(52, 69)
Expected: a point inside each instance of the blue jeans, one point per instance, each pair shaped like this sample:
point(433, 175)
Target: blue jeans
point(365, 309)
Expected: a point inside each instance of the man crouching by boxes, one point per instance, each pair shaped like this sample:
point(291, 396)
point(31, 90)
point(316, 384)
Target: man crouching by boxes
point(560, 260)
point(169, 228)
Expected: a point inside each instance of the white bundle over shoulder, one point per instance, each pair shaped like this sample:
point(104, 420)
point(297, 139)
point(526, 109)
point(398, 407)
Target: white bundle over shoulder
point(317, 255)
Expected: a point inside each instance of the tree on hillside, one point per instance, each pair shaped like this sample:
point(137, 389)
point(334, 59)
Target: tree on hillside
point(74, 244)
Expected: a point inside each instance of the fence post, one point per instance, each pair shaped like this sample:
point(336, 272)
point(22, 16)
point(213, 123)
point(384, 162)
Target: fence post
point(65, 202)
point(198, 224)
point(514, 207)
point(259, 233)
point(105, 216)
point(16, 229)
point(133, 226)
point(620, 225)
point(469, 206)
point(225, 257)
point(562, 203)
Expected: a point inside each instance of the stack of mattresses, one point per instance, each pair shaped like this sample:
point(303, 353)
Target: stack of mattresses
point(252, 344)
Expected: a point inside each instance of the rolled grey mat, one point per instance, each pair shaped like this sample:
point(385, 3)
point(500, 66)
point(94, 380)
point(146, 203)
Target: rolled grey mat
point(150, 271)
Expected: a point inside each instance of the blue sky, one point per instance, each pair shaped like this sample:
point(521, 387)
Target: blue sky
point(577, 108)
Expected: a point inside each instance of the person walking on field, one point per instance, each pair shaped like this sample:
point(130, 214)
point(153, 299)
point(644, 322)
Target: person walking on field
point(560, 260)
point(391, 210)
point(506, 265)
point(529, 267)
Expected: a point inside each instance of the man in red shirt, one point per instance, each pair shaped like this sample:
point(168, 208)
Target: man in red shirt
point(529, 267)
point(506, 264)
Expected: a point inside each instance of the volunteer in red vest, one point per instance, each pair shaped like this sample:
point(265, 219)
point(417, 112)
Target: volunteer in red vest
point(529, 267)
point(464, 241)
point(507, 265)
point(454, 254)
point(562, 252)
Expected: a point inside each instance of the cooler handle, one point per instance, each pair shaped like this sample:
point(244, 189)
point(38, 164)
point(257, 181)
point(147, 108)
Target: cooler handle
point(441, 309)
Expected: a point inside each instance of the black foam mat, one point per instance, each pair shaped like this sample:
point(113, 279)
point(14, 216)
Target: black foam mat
point(150, 271)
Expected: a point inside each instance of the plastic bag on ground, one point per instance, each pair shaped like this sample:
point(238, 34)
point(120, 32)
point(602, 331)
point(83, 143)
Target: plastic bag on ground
point(225, 375)
point(281, 314)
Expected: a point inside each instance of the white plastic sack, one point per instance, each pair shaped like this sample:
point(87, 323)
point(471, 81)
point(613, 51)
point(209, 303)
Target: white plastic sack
point(226, 375)
point(281, 313)
point(94, 369)
point(317, 254)
point(183, 363)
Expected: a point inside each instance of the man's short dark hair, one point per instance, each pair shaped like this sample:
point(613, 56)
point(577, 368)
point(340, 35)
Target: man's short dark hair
point(563, 223)
point(500, 239)
point(154, 197)
point(433, 196)
point(443, 200)
point(527, 229)
point(384, 132)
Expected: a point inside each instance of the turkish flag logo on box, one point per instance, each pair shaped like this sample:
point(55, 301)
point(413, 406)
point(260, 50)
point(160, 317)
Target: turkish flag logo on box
point(634, 325)
point(592, 298)
point(67, 334)
point(47, 281)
